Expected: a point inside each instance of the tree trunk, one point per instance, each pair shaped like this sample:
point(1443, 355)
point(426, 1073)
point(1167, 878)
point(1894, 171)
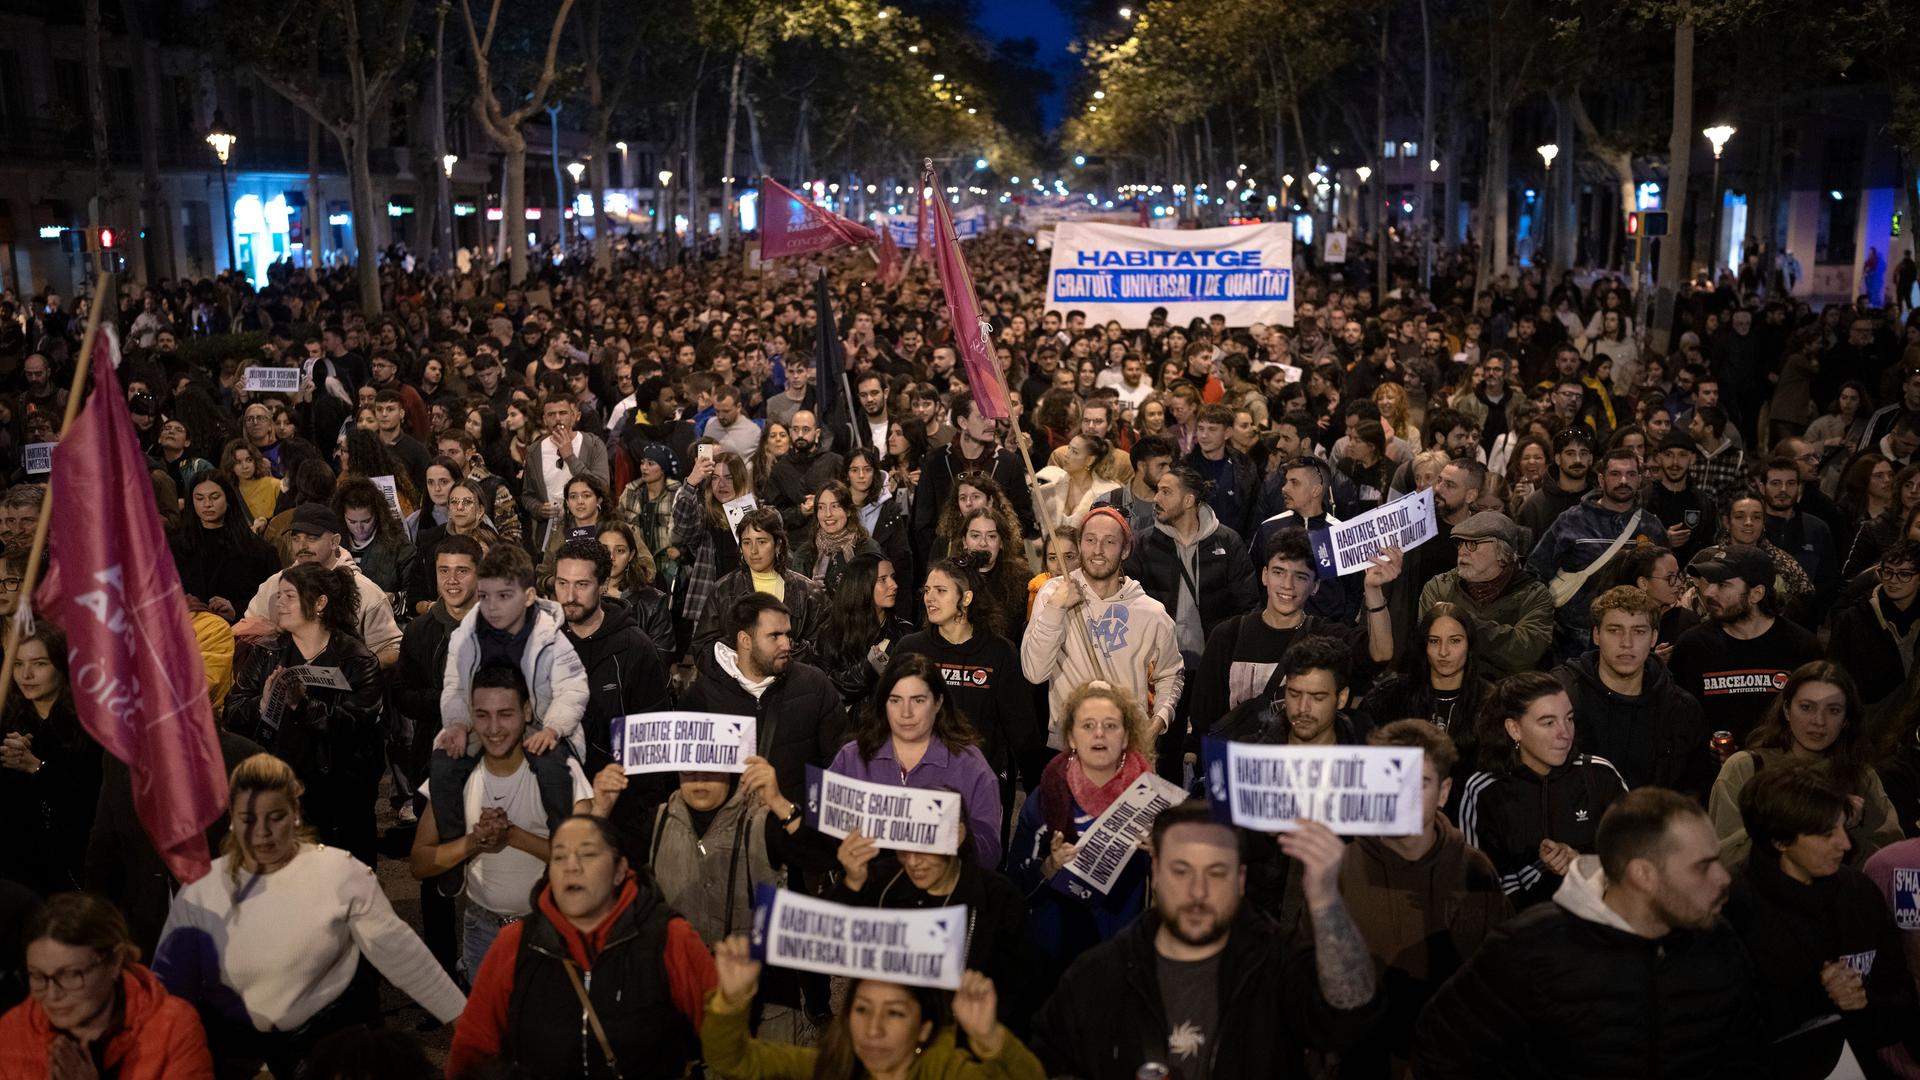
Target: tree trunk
point(726, 161)
point(1679, 161)
point(598, 164)
point(1381, 255)
point(102, 202)
point(156, 250)
point(695, 219)
point(1566, 211)
point(514, 216)
point(1493, 202)
point(1428, 152)
point(443, 239)
point(366, 244)
point(753, 134)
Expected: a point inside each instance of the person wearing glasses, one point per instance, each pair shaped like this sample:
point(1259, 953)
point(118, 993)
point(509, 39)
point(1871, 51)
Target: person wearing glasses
point(1876, 636)
point(1566, 482)
point(95, 1009)
point(1490, 583)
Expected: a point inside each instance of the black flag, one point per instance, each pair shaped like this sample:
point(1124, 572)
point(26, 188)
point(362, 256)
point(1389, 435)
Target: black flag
point(829, 371)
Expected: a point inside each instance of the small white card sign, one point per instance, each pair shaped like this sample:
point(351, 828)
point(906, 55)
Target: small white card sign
point(684, 742)
point(272, 380)
point(37, 458)
point(392, 491)
point(899, 818)
point(926, 947)
point(1109, 844)
point(737, 509)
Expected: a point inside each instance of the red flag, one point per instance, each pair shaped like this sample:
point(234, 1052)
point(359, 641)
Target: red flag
point(888, 255)
point(921, 230)
point(791, 224)
point(972, 335)
point(137, 678)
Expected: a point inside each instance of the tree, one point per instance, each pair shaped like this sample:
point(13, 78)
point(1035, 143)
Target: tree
point(606, 85)
point(371, 37)
point(502, 124)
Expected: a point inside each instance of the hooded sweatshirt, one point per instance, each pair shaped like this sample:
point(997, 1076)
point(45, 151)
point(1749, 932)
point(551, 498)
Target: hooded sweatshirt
point(1127, 640)
point(1657, 737)
point(624, 673)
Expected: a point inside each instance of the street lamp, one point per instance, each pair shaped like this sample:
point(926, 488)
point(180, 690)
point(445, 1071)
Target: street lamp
point(576, 170)
point(447, 162)
point(222, 142)
point(1718, 135)
point(1126, 13)
point(663, 212)
point(1547, 152)
point(1364, 172)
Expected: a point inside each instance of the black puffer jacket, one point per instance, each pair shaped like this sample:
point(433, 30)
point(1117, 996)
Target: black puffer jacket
point(1657, 738)
point(1791, 930)
point(1564, 991)
point(1507, 812)
point(1107, 1016)
point(805, 603)
point(801, 720)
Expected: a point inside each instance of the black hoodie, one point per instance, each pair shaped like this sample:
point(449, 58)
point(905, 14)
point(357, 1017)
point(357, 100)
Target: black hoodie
point(1658, 737)
point(624, 676)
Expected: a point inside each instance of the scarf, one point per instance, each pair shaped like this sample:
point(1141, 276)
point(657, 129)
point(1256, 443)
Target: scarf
point(842, 543)
point(1063, 786)
point(1483, 593)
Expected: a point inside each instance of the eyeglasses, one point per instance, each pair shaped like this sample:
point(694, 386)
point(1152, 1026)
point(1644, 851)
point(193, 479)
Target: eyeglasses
point(1898, 577)
point(1471, 543)
point(67, 979)
point(11, 584)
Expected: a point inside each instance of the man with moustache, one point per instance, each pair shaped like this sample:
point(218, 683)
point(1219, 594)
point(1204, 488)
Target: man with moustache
point(1634, 935)
point(1737, 661)
point(1583, 538)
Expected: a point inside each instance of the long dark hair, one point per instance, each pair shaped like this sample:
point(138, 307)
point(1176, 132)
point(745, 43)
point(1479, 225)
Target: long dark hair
point(369, 457)
point(1419, 672)
point(837, 1059)
point(60, 729)
point(235, 536)
point(342, 614)
point(1852, 749)
point(949, 726)
point(852, 620)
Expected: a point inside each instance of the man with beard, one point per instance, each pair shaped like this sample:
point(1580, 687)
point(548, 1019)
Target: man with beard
point(625, 674)
point(1581, 542)
point(1566, 989)
point(1805, 537)
point(314, 537)
point(1691, 518)
point(656, 418)
point(802, 471)
point(1454, 493)
point(1738, 660)
point(1123, 635)
point(975, 448)
point(1571, 476)
point(1205, 986)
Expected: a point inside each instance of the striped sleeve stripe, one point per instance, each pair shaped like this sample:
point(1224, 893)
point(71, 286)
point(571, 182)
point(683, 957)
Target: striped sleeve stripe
point(1470, 806)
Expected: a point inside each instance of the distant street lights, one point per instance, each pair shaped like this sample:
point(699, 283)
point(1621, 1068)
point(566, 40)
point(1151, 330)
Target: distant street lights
point(1718, 135)
point(1547, 152)
point(222, 142)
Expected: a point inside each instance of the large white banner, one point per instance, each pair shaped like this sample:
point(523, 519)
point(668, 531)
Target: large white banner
point(1121, 272)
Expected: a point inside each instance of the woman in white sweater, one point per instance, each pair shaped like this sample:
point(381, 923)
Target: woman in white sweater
point(268, 942)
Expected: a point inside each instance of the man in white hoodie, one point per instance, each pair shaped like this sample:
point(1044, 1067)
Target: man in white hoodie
point(1097, 623)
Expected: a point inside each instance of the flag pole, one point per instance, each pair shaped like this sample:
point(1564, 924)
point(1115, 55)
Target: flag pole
point(82, 368)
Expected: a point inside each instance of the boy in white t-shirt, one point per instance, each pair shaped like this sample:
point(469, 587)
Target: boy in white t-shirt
point(505, 846)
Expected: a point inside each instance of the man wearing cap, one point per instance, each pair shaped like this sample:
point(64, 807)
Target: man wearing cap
point(1514, 609)
point(1569, 478)
point(314, 537)
point(1738, 660)
point(1691, 519)
point(1581, 541)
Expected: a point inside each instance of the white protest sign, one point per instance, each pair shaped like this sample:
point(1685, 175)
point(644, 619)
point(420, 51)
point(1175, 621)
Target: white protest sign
point(37, 457)
point(899, 818)
point(392, 491)
point(1123, 272)
point(737, 509)
point(327, 678)
point(1109, 844)
point(1292, 373)
point(684, 742)
point(1405, 523)
point(1353, 790)
point(272, 380)
point(1336, 247)
point(925, 947)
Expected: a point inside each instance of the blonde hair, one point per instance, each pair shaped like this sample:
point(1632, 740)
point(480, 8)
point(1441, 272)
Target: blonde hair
point(1434, 460)
point(1392, 399)
point(1140, 736)
point(259, 775)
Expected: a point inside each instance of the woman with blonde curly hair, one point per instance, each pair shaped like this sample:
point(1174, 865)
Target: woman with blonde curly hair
point(267, 943)
point(1392, 399)
point(1109, 745)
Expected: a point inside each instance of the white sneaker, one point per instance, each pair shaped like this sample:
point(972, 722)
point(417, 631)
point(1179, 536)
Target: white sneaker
point(406, 814)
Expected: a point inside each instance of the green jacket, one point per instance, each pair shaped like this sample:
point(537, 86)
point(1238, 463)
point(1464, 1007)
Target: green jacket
point(1516, 627)
point(731, 1052)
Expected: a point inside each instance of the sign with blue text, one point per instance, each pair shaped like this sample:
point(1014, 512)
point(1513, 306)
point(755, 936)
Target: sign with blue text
point(1109, 844)
point(898, 818)
point(926, 947)
point(1404, 523)
point(684, 742)
point(1123, 273)
point(1353, 790)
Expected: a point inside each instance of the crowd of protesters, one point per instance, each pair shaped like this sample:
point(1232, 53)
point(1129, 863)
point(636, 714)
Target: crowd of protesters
point(1658, 658)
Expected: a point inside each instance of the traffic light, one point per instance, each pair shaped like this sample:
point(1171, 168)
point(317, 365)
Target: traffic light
point(1633, 223)
point(1656, 223)
point(103, 248)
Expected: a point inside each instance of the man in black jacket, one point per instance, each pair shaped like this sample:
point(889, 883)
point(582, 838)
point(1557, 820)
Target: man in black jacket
point(805, 469)
point(624, 672)
point(1629, 972)
point(1203, 986)
point(1192, 562)
point(1628, 708)
point(975, 448)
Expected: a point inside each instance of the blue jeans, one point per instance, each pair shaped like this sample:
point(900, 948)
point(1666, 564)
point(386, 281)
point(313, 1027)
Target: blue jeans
point(477, 930)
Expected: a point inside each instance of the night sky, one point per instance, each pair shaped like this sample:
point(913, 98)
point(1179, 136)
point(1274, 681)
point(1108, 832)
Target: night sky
point(1042, 21)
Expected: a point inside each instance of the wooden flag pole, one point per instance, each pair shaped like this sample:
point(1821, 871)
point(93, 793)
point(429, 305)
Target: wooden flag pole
point(82, 368)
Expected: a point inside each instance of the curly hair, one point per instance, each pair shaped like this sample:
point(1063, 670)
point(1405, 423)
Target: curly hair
point(1140, 729)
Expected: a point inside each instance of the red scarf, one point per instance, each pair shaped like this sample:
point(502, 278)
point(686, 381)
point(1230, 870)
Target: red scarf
point(1064, 785)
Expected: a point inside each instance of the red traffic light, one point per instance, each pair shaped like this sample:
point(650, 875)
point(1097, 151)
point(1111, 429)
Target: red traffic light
point(107, 238)
point(1633, 224)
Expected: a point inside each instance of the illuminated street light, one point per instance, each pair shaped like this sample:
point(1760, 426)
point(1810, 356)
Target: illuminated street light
point(1080, 159)
point(448, 161)
point(1364, 172)
point(1547, 153)
point(1717, 135)
point(576, 170)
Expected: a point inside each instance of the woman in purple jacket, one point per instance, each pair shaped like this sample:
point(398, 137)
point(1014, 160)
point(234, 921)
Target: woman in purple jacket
point(911, 734)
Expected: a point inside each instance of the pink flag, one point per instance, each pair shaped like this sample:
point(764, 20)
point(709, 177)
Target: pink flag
point(888, 256)
point(136, 673)
point(972, 335)
point(791, 224)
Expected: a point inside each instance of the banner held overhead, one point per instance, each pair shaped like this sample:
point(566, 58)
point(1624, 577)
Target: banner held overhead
point(1122, 273)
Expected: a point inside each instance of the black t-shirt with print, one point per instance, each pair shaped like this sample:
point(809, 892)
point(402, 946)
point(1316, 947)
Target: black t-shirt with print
point(1737, 681)
point(1190, 992)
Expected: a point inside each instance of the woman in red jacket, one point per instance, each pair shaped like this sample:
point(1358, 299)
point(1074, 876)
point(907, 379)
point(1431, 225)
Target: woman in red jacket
point(95, 1011)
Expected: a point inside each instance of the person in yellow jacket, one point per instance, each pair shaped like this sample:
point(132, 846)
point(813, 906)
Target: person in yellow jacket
point(886, 1031)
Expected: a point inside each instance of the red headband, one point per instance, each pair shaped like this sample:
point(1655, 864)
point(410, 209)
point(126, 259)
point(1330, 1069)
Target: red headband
point(1126, 530)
